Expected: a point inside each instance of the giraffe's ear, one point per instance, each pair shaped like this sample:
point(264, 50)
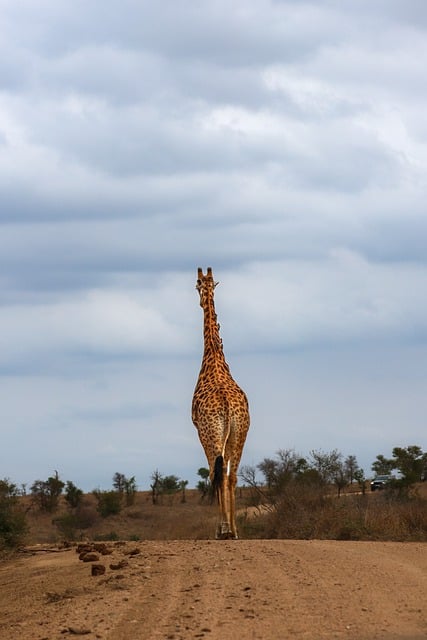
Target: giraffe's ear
point(215, 284)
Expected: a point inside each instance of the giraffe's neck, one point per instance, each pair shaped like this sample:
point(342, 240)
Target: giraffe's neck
point(213, 354)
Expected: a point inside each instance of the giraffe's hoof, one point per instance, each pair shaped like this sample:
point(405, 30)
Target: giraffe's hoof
point(226, 535)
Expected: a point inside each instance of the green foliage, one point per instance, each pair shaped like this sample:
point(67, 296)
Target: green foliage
point(410, 461)
point(182, 487)
point(321, 469)
point(328, 465)
point(351, 468)
point(45, 493)
point(119, 480)
point(156, 486)
point(13, 524)
point(109, 502)
point(73, 495)
point(166, 485)
point(107, 537)
point(67, 525)
point(170, 484)
point(203, 486)
point(71, 524)
point(130, 490)
point(125, 486)
point(382, 466)
point(359, 476)
point(279, 472)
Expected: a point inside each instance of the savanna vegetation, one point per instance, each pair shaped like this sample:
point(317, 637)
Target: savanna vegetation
point(323, 495)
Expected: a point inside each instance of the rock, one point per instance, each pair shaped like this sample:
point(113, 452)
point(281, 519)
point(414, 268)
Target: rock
point(102, 548)
point(89, 557)
point(84, 547)
point(98, 569)
point(119, 565)
point(79, 632)
point(133, 552)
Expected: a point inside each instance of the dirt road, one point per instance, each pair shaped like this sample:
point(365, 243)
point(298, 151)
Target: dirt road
point(247, 590)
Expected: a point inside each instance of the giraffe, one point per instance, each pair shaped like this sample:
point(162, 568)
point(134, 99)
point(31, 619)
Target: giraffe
point(220, 412)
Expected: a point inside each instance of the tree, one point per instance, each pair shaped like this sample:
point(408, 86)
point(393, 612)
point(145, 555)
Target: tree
point(73, 495)
point(45, 493)
point(359, 476)
point(351, 467)
point(124, 485)
point(156, 486)
point(287, 466)
point(182, 486)
point(119, 480)
point(340, 478)
point(130, 490)
point(411, 462)
point(270, 470)
point(204, 484)
point(327, 465)
point(170, 485)
point(383, 466)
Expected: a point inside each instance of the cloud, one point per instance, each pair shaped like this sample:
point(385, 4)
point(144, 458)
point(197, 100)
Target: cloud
point(281, 143)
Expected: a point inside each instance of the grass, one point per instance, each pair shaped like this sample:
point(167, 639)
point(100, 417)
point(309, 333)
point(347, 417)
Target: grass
point(140, 521)
point(299, 513)
point(307, 513)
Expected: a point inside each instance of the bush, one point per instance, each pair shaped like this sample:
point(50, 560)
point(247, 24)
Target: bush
point(13, 524)
point(70, 525)
point(109, 502)
point(67, 525)
point(107, 537)
point(306, 512)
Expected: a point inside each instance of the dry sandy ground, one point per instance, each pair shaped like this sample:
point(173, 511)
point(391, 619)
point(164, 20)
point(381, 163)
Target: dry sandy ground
point(254, 589)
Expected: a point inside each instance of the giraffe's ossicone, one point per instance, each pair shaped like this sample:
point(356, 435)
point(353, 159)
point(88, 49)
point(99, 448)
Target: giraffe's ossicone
point(220, 411)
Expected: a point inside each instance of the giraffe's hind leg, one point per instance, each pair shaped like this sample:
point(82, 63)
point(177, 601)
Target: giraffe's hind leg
point(226, 529)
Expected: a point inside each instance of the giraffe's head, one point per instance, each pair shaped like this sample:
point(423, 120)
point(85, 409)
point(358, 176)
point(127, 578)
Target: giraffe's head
point(205, 285)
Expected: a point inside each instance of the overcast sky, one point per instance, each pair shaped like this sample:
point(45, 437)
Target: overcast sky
point(283, 143)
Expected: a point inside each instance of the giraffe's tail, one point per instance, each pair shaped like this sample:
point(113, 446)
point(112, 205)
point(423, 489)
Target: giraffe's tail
point(218, 475)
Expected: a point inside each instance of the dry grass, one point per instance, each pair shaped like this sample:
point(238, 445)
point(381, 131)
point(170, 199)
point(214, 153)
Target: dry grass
point(307, 513)
point(172, 520)
point(301, 513)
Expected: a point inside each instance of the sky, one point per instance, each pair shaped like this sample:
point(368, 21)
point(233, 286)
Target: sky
point(282, 143)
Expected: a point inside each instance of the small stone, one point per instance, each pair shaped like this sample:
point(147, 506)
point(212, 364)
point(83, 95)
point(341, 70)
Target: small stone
point(84, 548)
point(98, 569)
point(119, 565)
point(89, 557)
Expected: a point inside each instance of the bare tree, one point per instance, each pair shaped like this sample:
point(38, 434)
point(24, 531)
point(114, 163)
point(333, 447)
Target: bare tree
point(156, 486)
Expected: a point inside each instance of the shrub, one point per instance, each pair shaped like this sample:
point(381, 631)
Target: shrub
point(304, 513)
point(67, 525)
point(13, 524)
point(107, 537)
point(109, 502)
point(73, 495)
point(70, 525)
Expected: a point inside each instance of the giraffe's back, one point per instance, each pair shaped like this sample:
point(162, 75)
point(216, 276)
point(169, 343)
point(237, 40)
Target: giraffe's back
point(221, 415)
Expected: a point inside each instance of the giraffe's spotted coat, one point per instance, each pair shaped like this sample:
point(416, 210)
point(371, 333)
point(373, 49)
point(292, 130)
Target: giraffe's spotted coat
point(220, 410)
